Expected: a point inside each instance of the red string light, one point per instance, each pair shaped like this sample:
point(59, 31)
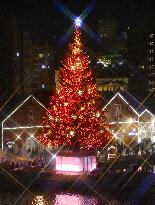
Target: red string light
point(74, 116)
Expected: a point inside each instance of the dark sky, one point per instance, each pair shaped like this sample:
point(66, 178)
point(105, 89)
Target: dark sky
point(44, 17)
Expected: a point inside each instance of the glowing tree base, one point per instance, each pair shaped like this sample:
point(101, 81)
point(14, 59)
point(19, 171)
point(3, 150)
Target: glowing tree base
point(69, 162)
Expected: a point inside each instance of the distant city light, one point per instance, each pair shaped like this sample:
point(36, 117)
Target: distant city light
point(43, 66)
point(78, 22)
point(120, 63)
point(17, 54)
point(43, 86)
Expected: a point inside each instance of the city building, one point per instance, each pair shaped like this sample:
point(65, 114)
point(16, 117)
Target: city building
point(141, 45)
point(27, 65)
point(111, 69)
point(136, 44)
point(108, 27)
point(111, 77)
point(8, 49)
point(151, 60)
point(22, 61)
point(112, 84)
point(36, 62)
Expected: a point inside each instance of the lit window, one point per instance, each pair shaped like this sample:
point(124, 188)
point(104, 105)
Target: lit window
point(42, 85)
point(151, 43)
point(99, 88)
point(151, 35)
point(151, 82)
point(151, 51)
point(141, 67)
point(111, 88)
point(41, 55)
point(105, 88)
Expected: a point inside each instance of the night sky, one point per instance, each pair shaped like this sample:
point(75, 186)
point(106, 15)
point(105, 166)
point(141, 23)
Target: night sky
point(46, 18)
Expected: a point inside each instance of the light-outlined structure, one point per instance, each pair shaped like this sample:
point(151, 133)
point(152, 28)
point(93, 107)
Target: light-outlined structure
point(129, 119)
point(21, 126)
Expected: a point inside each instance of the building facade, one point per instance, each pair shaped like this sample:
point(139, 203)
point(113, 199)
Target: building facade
point(8, 49)
point(131, 123)
point(27, 66)
point(36, 67)
point(108, 27)
point(20, 128)
point(151, 60)
point(112, 84)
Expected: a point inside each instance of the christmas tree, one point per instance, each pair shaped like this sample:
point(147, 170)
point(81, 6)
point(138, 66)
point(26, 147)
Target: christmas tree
point(75, 118)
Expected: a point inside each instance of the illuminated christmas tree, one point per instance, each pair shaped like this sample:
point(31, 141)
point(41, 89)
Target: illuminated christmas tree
point(75, 118)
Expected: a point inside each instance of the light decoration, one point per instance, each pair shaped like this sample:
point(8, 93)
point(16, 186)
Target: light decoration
point(119, 95)
point(22, 127)
point(139, 139)
point(130, 121)
point(18, 137)
point(98, 114)
point(17, 54)
point(30, 96)
point(76, 105)
point(31, 136)
point(75, 164)
point(75, 199)
point(72, 133)
point(43, 66)
point(105, 62)
point(19, 127)
point(78, 22)
point(74, 116)
point(80, 92)
point(39, 200)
